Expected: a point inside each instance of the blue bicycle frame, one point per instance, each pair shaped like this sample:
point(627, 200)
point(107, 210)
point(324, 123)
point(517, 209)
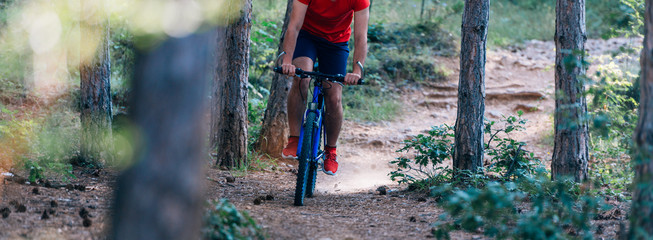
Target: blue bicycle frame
point(316, 106)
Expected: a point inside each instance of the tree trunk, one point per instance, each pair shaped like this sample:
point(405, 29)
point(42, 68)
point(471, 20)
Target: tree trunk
point(642, 208)
point(160, 197)
point(229, 107)
point(570, 153)
point(468, 153)
point(421, 12)
point(274, 130)
point(95, 93)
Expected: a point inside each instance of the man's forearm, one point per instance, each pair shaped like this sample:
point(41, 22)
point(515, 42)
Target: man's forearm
point(289, 42)
point(360, 53)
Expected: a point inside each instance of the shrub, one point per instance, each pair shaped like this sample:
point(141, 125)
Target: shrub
point(430, 151)
point(509, 158)
point(404, 53)
point(532, 208)
point(422, 168)
point(224, 221)
point(612, 109)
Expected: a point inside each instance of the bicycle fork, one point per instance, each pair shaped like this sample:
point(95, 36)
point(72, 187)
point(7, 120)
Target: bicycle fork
point(316, 106)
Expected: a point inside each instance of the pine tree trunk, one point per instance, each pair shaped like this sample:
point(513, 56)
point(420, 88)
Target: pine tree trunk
point(570, 153)
point(642, 207)
point(468, 153)
point(96, 108)
point(229, 107)
point(274, 130)
point(160, 197)
point(421, 12)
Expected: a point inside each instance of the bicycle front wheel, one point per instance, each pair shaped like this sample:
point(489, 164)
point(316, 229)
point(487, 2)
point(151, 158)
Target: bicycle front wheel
point(305, 159)
point(312, 176)
point(313, 165)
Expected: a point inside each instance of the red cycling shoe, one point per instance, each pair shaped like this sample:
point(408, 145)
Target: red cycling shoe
point(290, 151)
point(330, 161)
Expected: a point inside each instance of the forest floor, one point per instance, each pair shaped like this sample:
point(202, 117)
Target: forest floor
point(346, 206)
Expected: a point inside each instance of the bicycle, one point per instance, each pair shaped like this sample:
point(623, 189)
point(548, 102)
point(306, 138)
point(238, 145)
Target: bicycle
point(310, 153)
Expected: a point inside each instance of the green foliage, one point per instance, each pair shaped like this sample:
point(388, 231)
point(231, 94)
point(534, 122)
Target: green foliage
point(408, 12)
point(122, 53)
point(430, 151)
point(15, 63)
point(267, 22)
point(58, 136)
point(613, 107)
point(532, 208)
point(224, 221)
point(412, 38)
point(613, 178)
point(422, 168)
point(260, 162)
point(256, 103)
point(404, 54)
point(406, 69)
point(631, 23)
point(263, 50)
point(515, 199)
point(508, 17)
point(16, 137)
point(604, 18)
point(509, 158)
point(370, 103)
point(40, 170)
point(41, 147)
point(55, 145)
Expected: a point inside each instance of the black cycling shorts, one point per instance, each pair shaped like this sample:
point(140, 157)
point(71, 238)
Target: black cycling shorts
point(331, 57)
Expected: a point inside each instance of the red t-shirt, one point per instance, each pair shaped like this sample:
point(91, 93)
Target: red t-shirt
point(331, 19)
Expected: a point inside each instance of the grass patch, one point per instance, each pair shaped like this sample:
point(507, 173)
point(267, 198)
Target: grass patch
point(405, 54)
point(512, 22)
point(369, 103)
point(515, 21)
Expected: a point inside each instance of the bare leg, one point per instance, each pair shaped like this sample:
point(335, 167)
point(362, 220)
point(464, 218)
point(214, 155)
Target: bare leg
point(297, 96)
point(333, 102)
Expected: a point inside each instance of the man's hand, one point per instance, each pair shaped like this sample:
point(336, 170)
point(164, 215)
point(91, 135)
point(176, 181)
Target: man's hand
point(288, 69)
point(352, 78)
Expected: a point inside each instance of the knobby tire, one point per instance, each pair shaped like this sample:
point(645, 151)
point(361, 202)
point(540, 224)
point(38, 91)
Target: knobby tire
point(304, 159)
point(312, 165)
point(312, 175)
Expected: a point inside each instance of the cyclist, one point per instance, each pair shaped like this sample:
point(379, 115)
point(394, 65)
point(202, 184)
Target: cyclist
point(319, 30)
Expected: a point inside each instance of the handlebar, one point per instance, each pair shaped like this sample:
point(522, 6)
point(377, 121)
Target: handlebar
point(322, 76)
